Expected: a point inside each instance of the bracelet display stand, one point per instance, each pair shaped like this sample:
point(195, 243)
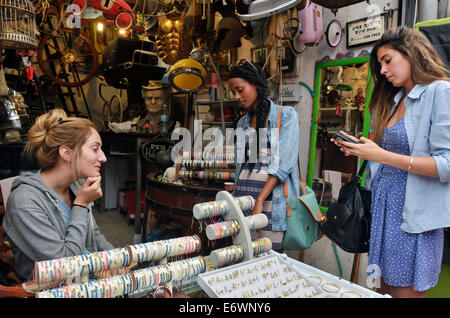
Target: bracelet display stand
point(243, 237)
point(230, 208)
point(251, 277)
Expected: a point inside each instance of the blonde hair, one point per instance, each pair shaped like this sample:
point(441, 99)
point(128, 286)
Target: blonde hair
point(52, 130)
point(426, 67)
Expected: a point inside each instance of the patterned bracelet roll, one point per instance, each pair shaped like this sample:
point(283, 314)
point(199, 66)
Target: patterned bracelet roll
point(234, 253)
point(228, 228)
point(103, 288)
point(223, 229)
point(157, 250)
point(51, 273)
point(207, 164)
point(138, 281)
point(210, 209)
point(257, 221)
point(208, 175)
point(62, 270)
point(262, 245)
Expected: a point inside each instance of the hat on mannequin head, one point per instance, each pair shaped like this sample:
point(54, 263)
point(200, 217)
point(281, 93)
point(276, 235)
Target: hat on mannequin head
point(153, 85)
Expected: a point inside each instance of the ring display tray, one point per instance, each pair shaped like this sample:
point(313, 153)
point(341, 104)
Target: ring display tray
point(267, 276)
point(330, 284)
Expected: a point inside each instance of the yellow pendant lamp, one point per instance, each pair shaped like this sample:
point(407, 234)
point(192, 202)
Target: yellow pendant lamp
point(187, 76)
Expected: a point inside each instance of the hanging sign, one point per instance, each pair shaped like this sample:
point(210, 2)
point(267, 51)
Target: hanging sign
point(151, 148)
point(366, 30)
point(290, 93)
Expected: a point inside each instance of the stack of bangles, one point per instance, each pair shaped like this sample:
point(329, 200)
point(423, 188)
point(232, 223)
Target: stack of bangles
point(138, 281)
point(228, 228)
point(188, 268)
point(257, 221)
point(223, 229)
point(231, 254)
point(52, 273)
point(208, 175)
point(211, 209)
point(262, 245)
point(218, 156)
point(208, 164)
point(227, 255)
point(157, 250)
point(110, 287)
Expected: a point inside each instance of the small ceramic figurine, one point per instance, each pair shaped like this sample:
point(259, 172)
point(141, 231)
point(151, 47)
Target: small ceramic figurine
point(360, 99)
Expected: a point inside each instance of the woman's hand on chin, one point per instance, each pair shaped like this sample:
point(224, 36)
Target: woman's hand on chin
point(90, 191)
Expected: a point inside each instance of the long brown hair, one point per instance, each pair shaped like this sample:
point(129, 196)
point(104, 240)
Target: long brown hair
point(426, 67)
point(52, 130)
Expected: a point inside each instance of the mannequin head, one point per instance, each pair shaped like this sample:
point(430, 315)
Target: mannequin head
point(155, 96)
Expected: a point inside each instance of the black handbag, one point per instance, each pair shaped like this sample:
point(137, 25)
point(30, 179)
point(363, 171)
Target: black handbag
point(348, 220)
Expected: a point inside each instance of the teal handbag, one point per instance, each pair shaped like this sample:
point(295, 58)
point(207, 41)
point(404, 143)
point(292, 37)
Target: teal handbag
point(302, 219)
point(302, 216)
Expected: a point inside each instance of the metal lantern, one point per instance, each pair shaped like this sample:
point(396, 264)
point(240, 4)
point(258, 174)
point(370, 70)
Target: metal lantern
point(17, 24)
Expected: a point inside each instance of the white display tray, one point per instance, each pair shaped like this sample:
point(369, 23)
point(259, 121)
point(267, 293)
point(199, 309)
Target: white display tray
point(269, 276)
point(327, 281)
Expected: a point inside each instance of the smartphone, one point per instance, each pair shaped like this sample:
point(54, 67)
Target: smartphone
point(341, 136)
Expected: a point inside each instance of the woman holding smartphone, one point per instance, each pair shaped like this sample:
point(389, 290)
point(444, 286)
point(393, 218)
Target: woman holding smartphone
point(48, 215)
point(409, 162)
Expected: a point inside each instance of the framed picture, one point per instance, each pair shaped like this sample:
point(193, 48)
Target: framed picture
point(259, 56)
point(179, 108)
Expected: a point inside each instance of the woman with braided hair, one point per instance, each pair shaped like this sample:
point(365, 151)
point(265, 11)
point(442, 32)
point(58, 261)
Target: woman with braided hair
point(264, 163)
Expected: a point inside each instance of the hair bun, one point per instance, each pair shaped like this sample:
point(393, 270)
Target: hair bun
point(39, 131)
point(52, 118)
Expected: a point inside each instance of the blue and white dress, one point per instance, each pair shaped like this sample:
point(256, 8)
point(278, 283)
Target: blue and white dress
point(251, 182)
point(404, 259)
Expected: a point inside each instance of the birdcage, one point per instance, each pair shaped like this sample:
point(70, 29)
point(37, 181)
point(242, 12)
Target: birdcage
point(17, 24)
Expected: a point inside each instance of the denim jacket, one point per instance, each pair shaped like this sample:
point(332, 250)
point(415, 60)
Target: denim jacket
point(427, 123)
point(283, 157)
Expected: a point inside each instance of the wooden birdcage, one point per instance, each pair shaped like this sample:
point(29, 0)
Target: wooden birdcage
point(17, 24)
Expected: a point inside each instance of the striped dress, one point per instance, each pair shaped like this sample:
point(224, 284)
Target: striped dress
point(251, 182)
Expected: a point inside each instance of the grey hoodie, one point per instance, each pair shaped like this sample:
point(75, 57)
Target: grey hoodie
point(36, 229)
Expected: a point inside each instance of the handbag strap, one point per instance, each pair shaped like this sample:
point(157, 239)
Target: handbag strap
point(303, 184)
point(361, 170)
point(285, 187)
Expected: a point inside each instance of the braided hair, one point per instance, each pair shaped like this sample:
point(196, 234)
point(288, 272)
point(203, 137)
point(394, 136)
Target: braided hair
point(254, 74)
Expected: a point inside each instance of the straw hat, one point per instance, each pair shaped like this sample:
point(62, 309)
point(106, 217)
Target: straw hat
point(153, 85)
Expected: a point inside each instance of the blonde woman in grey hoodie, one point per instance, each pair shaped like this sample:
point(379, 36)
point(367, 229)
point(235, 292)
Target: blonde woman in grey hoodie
point(48, 213)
